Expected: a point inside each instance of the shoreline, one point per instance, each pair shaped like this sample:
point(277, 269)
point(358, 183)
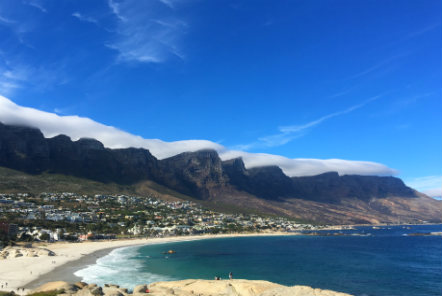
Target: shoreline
point(30, 272)
point(66, 271)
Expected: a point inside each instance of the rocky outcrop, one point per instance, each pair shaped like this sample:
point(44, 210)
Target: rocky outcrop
point(190, 288)
point(267, 182)
point(325, 198)
point(330, 187)
point(14, 252)
point(199, 174)
point(26, 149)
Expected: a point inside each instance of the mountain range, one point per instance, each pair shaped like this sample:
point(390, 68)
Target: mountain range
point(203, 176)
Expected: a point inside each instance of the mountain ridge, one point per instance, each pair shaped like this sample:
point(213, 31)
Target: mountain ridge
point(201, 175)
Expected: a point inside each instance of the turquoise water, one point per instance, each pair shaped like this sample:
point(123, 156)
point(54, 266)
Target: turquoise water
point(381, 262)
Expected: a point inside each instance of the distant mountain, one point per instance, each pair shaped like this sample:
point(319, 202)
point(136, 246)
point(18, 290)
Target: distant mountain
point(202, 175)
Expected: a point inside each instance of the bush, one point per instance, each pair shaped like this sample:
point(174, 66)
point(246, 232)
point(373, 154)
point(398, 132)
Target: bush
point(3, 293)
point(45, 236)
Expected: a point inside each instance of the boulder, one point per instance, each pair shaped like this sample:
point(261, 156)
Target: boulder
point(234, 288)
point(301, 291)
point(114, 291)
point(96, 291)
point(140, 289)
point(80, 285)
point(57, 286)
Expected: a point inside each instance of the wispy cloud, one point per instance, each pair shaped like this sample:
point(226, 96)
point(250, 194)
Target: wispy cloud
point(7, 87)
point(11, 78)
point(423, 31)
point(18, 27)
point(6, 21)
point(77, 127)
point(15, 75)
point(300, 128)
point(342, 93)
point(147, 31)
point(37, 4)
point(170, 3)
point(288, 133)
point(383, 65)
point(402, 102)
point(84, 18)
point(430, 185)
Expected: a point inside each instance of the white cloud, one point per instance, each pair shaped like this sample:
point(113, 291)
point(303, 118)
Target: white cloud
point(307, 167)
point(300, 128)
point(146, 32)
point(77, 127)
point(170, 3)
point(84, 18)
point(430, 185)
point(11, 79)
point(15, 75)
point(433, 192)
point(7, 87)
point(423, 30)
point(6, 20)
point(289, 133)
point(37, 4)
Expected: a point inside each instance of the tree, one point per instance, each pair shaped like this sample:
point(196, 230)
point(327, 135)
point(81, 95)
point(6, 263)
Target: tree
point(45, 236)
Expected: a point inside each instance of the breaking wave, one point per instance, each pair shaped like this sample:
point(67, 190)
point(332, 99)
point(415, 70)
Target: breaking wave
point(121, 267)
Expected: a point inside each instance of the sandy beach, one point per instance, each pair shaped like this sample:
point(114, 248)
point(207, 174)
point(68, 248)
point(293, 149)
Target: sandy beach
point(30, 272)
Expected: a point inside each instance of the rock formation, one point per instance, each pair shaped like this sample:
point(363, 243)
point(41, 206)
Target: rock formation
point(189, 288)
point(14, 252)
point(325, 198)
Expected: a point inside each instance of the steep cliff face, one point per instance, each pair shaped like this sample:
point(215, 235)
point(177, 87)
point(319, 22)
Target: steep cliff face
point(197, 174)
point(26, 149)
point(271, 183)
point(23, 148)
point(330, 187)
point(268, 182)
point(327, 197)
point(201, 174)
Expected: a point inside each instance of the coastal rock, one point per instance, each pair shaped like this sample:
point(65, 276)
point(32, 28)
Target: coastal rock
point(190, 288)
point(80, 285)
point(234, 288)
point(213, 287)
point(90, 290)
point(140, 289)
point(97, 291)
point(57, 286)
point(113, 291)
point(17, 251)
point(301, 291)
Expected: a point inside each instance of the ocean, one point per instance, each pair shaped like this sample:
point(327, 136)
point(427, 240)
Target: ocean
point(364, 261)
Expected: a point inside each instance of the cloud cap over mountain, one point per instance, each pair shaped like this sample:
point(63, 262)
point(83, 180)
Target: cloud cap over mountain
point(77, 127)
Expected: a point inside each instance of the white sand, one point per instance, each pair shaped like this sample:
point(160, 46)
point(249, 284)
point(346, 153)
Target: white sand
point(18, 272)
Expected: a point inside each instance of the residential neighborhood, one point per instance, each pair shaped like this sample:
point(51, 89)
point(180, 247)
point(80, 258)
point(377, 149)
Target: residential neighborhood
point(70, 216)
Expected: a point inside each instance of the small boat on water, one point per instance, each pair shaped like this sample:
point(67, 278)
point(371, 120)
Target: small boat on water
point(170, 252)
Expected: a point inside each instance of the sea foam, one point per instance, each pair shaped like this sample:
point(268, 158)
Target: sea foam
point(120, 267)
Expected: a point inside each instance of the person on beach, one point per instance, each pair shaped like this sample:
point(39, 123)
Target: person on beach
point(230, 275)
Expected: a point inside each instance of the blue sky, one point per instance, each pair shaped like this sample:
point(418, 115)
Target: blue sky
point(353, 80)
